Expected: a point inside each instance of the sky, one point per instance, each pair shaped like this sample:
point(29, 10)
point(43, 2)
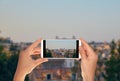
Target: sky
point(61, 44)
point(28, 20)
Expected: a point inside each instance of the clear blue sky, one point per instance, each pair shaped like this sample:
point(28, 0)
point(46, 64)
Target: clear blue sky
point(28, 20)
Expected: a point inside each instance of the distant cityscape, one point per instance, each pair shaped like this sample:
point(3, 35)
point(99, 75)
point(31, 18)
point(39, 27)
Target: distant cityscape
point(61, 53)
point(62, 69)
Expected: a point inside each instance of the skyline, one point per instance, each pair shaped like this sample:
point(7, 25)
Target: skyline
point(26, 21)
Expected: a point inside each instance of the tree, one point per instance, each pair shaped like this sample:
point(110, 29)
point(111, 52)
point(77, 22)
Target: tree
point(3, 65)
point(1, 48)
point(113, 65)
point(11, 65)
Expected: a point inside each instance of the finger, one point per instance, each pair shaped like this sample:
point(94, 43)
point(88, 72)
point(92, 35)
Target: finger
point(84, 43)
point(37, 47)
point(82, 53)
point(35, 44)
point(36, 50)
point(87, 48)
point(41, 60)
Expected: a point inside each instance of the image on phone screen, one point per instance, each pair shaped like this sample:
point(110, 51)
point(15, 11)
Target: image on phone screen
point(60, 49)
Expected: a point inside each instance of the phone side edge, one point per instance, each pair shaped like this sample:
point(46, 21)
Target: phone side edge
point(41, 48)
point(79, 50)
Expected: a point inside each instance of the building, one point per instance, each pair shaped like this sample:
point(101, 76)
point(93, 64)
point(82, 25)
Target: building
point(55, 70)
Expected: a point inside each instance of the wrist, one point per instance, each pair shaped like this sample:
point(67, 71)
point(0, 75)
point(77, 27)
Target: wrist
point(19, 76)
point(87, 77)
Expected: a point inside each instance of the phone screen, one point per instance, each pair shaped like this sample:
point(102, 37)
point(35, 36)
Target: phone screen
point(60, 49)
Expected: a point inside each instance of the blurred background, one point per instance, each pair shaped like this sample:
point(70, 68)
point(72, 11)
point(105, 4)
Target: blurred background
point(98, 22)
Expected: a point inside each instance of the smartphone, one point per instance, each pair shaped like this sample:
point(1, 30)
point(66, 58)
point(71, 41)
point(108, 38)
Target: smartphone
point(60, 49)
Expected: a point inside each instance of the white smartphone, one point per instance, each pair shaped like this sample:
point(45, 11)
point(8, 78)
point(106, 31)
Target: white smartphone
point(60, 49)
